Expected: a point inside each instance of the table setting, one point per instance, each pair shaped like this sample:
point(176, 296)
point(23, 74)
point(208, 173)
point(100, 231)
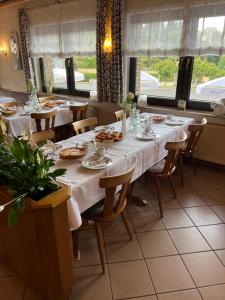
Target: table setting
point(107, 157)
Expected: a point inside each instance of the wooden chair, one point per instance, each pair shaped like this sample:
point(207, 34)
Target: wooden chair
point(49, 118)
point(109, 208)
point(42, 136)
point(8, 104)
point(79, 112)
point(84, 125)
point(119, 115)
point(166, 167)
point(191, 146)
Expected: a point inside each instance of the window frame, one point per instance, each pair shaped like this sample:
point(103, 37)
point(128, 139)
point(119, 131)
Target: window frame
point(183, 88)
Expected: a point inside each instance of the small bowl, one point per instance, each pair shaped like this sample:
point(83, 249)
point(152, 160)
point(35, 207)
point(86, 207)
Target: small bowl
point(158, 119)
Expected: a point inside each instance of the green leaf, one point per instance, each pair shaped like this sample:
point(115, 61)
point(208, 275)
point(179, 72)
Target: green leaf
point(16, 211)
point(58, 172)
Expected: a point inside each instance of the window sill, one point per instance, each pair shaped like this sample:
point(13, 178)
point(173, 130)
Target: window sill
point(198, 115)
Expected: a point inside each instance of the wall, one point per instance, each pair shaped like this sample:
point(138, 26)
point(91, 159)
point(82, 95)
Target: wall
point(9, 77)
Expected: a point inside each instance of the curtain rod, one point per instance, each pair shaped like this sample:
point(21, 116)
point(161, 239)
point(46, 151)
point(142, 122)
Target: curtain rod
point(38, 4)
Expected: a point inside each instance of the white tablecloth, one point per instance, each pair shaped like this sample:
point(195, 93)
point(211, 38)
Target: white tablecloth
point(6, 99)
point(84, 183)
point(18, 122)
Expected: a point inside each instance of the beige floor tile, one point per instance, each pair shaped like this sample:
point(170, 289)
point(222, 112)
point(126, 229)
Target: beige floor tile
point(213, 292)
point(156, 243)
point(11, 288)
point(89, 253)
point(168, 202)
point(215, 235)
point(117, 227)
point(181, 295)
point(217, 182)
point(202, 215)
point(86, 234)
point(169, 274)
point(120, 248)
point(221, 254)
point(146, 221)
point(31, 295)
point(130, 279)
point(176, 218)
point(133, 208)
point(190, 199)
point(90, 283)
point(188, 240)
point(200, 184)
point(5, 271)
point(205, 268)
point(219, 210)
point(152, 297)
point(212, 197)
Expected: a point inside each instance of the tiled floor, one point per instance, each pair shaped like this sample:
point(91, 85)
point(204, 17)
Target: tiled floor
point(179, 257)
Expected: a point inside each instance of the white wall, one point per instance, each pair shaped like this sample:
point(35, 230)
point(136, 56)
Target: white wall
point(9, 77)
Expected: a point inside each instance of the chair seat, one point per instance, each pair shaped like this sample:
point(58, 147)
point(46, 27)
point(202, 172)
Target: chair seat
point(96, 210)
point(158, 168)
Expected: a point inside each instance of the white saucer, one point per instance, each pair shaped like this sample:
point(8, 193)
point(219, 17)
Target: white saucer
point(150, 137)
point(87, 163)
point(174, 122)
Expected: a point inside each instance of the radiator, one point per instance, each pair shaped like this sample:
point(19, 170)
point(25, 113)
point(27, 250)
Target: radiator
point(211, 145)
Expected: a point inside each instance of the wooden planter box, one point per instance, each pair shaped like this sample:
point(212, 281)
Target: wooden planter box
point(39, 247)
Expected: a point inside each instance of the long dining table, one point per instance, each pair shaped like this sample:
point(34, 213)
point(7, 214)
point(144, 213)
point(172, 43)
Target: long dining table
point(84, 183)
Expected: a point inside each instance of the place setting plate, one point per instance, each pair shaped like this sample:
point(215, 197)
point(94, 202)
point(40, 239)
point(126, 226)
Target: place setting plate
point(144, 137)
point(174, 122)
point(91, 164)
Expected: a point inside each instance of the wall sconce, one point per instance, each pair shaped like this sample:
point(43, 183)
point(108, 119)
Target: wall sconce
point(107, 45)
point(3, 51)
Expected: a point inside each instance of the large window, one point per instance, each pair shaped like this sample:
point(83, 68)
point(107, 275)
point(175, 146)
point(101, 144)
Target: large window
point(74, 75)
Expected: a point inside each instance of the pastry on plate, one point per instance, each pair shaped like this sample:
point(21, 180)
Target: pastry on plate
point(72, 153)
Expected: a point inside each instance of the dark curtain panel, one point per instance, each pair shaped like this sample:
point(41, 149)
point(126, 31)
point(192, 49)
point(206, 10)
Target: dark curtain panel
point(24, 38)
point(109, 65)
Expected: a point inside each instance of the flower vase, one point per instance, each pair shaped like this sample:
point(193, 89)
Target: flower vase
point(123, 126)
point(34, 102)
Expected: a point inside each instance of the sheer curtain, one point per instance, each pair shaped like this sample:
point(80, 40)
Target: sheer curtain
point(63, 29)
point(174, 27)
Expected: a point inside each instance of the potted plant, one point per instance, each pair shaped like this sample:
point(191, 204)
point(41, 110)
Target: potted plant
point(48, 85)
point(36, 243)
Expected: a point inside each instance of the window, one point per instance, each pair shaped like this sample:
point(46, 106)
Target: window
point(208, 79)
point(74, 75)
point(157, 76)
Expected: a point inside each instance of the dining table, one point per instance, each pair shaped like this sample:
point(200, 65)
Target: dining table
point(21, 120)
point(84, 183)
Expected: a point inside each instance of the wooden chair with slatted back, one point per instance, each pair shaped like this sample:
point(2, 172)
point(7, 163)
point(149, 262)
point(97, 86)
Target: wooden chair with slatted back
point(48, 117)
point(110, 207)
point(191, 146)
point(84, 125)
point(79, 112)
point(166, 167)
point(42, 136)
point(119, 115)
point(8, 104)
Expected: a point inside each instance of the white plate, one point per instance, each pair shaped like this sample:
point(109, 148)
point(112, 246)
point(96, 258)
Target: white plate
point(104, 128)
point(174, 122)
point(87, 163)
point(151, 137)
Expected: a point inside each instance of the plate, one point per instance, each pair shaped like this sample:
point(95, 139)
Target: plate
point(88, 163)
point(72, 153)
point(151, 137)
point(174, 122)
point(104, 128)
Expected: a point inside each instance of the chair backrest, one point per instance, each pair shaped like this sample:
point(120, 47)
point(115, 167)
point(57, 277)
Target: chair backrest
point(84, 125)
point(8, 104)
point(174, 151)
point(45, 99)
point(110, 183)
point(79, 112)
point(42, 136)
point(49, 118)
point(119, 115)
point(195, 133)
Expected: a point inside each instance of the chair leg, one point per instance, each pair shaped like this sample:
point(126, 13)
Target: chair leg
point(172, 186)
point(157, 185)
point(194, 164)
point(127, 225)
point(181, 170)
point(99, 233)
point(146, 180)
point(74, 235)
point(130, 192)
